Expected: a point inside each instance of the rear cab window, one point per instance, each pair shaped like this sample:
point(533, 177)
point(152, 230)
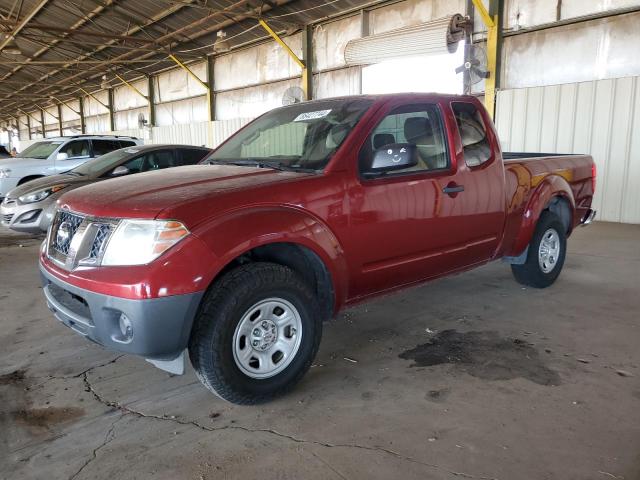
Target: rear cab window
point(473, 133)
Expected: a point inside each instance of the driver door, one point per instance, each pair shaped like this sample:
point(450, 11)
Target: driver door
point(77, 151)
point(407, 225)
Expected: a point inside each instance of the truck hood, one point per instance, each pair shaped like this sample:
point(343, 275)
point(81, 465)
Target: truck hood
point(45, 182)
point(183, 193)
point(17, 163)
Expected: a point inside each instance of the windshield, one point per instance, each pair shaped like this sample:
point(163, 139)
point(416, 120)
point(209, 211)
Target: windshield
point(302, 136)
point(105, 163)
point(40, 150)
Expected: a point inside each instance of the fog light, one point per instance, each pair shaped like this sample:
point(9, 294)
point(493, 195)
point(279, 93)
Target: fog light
point(29, 216)
point(126, 328)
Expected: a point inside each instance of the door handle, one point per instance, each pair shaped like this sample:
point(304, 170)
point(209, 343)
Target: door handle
point(453, 189)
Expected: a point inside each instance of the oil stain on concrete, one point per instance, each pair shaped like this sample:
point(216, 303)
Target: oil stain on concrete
point(45, 418)
point(484, 355)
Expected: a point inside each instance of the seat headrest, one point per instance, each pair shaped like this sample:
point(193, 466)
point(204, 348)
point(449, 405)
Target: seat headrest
point(416, 128)
point(382, 139)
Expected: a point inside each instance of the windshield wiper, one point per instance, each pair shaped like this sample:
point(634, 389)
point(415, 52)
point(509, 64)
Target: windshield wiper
point(262, 164)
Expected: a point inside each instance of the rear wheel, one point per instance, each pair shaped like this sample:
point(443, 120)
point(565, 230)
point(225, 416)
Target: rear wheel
point(256, 334)
point(546, 254)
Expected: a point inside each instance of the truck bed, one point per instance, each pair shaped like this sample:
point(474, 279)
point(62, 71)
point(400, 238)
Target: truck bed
point(527, 173)
point(524, 155)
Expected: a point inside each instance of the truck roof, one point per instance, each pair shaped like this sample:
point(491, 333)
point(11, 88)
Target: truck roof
point(400, 96)
point(88, 135)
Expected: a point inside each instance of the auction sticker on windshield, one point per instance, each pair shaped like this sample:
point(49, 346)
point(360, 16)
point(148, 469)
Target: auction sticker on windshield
point(312, 115)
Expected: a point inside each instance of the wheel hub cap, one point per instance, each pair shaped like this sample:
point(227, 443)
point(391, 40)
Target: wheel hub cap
point(549, 250)
point(264, 336)
point(267, 338)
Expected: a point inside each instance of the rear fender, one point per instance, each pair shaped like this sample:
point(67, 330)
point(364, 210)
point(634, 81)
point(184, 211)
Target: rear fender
point(234, 234)
point(544, 196)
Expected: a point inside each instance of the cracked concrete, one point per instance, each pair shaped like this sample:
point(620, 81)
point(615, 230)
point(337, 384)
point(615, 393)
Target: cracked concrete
point(373, 416)
point(128, 411)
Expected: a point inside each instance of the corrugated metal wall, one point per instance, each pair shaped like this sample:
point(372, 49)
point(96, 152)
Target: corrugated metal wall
point(209, 134)
point(600, 117)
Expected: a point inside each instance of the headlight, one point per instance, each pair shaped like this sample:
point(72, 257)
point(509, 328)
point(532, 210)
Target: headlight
point(136, 242)
point(4, 172)
point(39, 195)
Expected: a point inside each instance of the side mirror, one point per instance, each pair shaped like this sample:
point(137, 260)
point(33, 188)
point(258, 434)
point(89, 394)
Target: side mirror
point(62, 156)
point(119, 171)
point(394, 156)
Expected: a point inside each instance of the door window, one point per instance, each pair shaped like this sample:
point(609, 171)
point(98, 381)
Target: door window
point(135, 165)
point(100, 147)
point(419, 125)
point(159, 160)
point(191, 156)
point(76, 149)
point(473, 134)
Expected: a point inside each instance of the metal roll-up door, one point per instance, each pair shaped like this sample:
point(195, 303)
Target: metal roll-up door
point(430, 38)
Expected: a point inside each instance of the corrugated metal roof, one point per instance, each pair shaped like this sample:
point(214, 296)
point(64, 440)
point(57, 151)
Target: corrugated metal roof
point(68, 44)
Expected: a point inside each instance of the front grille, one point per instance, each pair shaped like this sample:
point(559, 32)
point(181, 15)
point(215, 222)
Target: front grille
point(70, 222)
point(91, 236)
point(7, 218)
point(100, 241)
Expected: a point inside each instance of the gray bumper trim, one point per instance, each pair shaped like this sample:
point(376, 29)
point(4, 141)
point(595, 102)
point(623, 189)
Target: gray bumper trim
point(161, 326)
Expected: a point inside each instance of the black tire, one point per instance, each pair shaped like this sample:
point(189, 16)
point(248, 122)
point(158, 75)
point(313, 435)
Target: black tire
point(531, 273)
point(211, 342)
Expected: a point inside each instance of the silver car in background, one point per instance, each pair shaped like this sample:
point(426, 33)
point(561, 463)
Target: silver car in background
point(57, 155)
point(30, 207)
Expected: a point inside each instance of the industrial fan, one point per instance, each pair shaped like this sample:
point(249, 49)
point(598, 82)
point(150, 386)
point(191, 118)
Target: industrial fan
point(292, 95)
point(474, 66)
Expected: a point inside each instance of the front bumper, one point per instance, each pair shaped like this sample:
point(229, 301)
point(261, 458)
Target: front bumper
point(29, 217)
point(160, 327)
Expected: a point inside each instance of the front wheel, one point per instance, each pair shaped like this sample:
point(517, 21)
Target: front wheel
point(256, 334)
point(546, 255)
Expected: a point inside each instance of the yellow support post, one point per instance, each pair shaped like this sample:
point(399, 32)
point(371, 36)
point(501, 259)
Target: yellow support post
point(44, 110)
point(29, 115)
point(492, 55)
point(93, 96)
point(132, 87)
point(197, 79)
point(62, 102)
point(301, 64)
point(490, 83)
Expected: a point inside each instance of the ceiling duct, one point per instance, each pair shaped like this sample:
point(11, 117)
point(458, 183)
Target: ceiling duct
point(430, 38)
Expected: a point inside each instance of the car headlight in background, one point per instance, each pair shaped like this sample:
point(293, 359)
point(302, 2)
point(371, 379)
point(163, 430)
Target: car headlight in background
point(137, 242)
point(5, 172)
point(39, 195)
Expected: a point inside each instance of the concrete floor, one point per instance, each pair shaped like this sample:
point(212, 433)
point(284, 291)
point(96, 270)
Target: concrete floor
point(467, 377)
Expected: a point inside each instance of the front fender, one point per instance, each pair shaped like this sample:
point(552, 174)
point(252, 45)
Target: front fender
point(552, 186)
point(238, 232)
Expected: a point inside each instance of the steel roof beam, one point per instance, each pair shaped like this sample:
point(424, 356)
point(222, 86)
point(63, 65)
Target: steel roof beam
point(12, 35)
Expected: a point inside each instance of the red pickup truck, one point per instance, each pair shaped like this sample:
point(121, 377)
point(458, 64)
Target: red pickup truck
point(308, 209)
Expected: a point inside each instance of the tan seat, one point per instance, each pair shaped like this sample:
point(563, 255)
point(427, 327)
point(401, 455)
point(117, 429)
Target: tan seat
point(419, 132)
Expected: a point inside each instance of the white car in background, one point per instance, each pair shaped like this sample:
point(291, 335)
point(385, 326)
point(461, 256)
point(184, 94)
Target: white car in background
point(51, 156)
